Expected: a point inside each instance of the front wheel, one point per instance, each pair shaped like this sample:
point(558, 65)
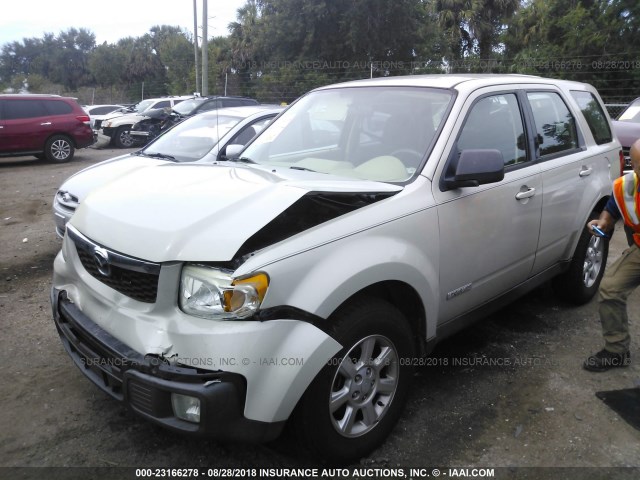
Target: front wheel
point(580, 283)
point(58, 149)
point(122, 139)
point(356, 399)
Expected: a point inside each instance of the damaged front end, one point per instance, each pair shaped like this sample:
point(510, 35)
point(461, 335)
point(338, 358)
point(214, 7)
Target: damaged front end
point(156, 121)
point(182, 398)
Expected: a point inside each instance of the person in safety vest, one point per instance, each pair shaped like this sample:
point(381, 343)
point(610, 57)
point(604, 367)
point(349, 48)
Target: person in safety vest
point(623, 276)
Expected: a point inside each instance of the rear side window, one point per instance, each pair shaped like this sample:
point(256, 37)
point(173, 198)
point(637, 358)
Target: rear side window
point(594, 115)
point(554, 123)
point(17, 109)
point(58, 107)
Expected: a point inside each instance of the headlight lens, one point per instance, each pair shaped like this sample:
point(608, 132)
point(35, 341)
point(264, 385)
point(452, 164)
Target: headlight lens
point(211, 293)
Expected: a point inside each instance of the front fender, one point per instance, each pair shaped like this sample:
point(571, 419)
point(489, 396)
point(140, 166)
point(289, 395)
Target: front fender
point(321, 279)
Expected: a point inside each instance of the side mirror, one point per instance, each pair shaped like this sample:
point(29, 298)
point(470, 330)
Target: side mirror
point(231, 151)
point(474, 168)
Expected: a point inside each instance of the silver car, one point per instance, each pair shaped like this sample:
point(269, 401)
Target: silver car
point(303, 281)
point(200, 140)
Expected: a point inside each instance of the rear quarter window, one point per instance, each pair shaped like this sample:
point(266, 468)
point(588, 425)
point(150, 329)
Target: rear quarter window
point(58, 107)
point(594, 115)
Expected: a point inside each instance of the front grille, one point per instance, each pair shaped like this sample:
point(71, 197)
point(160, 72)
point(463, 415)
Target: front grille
point(133, 277)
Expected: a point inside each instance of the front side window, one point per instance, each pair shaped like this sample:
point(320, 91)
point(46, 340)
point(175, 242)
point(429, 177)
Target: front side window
point(371, 133)
point(495, 123)
point(594, 115)
point(554, 124)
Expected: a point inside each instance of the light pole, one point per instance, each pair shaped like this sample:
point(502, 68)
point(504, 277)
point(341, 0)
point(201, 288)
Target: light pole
point(205, 50)
point(195, 42)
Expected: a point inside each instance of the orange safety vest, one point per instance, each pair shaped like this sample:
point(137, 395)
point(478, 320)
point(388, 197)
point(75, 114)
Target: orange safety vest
point(625, 193)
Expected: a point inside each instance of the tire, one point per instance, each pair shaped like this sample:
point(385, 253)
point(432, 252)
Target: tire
point(354, 402)
point(59, 149)
point(581, 282)
point(122, 139)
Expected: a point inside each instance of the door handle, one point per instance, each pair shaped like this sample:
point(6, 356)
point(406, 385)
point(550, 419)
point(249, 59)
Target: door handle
point(585, 172)
point(46, 123)
point(528, 193)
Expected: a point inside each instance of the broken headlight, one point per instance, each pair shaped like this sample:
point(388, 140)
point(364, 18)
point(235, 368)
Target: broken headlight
point(210, 293)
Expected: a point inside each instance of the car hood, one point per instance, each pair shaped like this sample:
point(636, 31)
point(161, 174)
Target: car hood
point(95, 176)
point(182, 212)
point(627, 132)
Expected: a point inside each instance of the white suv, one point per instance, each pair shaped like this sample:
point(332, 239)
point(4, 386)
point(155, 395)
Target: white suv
point(300, 282)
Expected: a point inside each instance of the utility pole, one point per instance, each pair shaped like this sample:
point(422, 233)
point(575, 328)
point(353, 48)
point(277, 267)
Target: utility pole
point(205, 50)
point(195, 43)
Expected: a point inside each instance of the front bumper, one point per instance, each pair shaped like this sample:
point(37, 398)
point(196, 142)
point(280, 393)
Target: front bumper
point(142, 134)
point(102, 140)
point(145, 383)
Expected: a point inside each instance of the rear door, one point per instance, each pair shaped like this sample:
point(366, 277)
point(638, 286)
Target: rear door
point(568, 170)
point(489, 233)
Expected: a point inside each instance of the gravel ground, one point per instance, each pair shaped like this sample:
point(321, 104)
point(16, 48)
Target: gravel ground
point(508, 393)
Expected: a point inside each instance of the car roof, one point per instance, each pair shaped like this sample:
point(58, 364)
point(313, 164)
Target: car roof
point(456, 81)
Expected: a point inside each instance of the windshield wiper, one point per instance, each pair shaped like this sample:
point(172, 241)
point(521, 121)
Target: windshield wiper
point(296, 167)
point(162, 156)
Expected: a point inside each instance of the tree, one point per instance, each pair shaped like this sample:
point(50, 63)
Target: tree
point(473, 27)
point(175, 52)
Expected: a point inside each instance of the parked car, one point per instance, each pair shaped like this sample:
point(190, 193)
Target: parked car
point(200, 140)
point(102, 111)
point(47, 126)
point(627, 129)
point(303, 281)
point(157, 121)
point(115, 130)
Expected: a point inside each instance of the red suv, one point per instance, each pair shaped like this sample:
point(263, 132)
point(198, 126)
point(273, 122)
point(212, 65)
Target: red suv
point(47, 126)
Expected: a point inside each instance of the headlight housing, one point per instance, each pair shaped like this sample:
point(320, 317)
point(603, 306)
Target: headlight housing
point(211, 293)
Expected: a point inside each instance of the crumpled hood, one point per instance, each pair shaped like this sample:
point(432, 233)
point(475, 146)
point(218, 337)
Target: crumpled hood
point(189, 212)
point(95, 176)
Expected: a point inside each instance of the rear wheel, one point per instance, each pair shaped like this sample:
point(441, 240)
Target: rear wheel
point(59, 149)
point(580, 283)
point(356, 399)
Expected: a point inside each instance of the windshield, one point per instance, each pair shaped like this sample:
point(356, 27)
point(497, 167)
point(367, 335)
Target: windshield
point(372, 133)
point(192, 139)
point(631, 113)
point(185, 108)
point(142, 106)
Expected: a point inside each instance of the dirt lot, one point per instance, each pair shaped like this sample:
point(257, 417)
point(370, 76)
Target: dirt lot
point(508, 392)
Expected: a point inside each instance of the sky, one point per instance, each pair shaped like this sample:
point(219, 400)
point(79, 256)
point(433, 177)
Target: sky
point(110, 20)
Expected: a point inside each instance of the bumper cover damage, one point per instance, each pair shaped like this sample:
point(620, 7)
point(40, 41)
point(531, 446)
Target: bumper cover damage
point(145, 383)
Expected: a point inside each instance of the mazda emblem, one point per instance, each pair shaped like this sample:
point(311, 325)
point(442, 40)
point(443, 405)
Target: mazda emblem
point(101, 259)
